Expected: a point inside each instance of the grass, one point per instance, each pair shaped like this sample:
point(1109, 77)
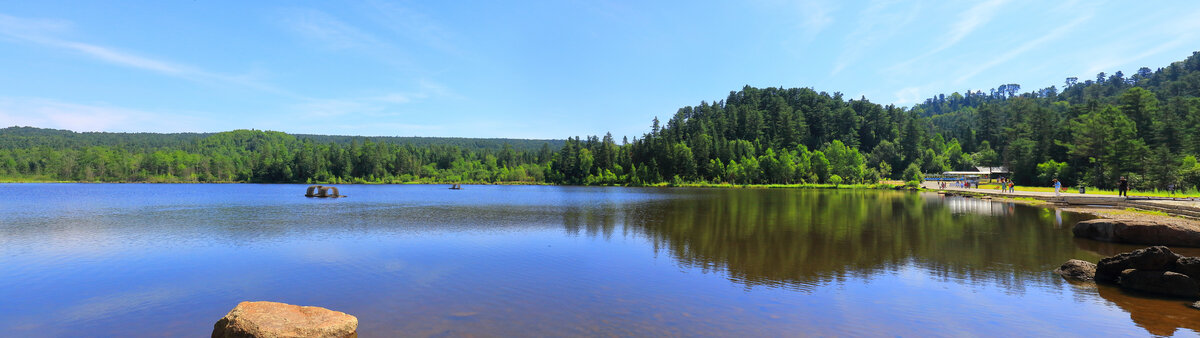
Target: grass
point(774, 186)
point(1094, 191)
point(29, 179)
point(1027, 199)
point(1148, 212)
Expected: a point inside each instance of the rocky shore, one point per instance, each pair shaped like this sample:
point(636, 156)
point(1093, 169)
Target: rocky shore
point(1154, 270)
point(1140, 231)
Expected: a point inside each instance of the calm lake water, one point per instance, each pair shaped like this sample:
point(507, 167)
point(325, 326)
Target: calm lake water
point(169, 260)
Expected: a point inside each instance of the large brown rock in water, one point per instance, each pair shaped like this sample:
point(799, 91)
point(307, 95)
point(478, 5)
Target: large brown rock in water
point(1077, 270)
point(1189, 266)
point(271, 319)
point(1138, 232)
point(1160, 282)
point(1151, 258)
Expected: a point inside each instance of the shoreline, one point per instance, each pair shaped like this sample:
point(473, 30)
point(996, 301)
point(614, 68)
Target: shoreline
point(876, 186)
point(1163, 212)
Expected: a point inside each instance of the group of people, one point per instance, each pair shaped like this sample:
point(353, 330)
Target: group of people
point(1007, 185)
point(960, 184)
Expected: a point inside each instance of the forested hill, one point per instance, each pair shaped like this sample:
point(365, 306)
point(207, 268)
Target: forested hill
point(18, 137)
point(1145, 126)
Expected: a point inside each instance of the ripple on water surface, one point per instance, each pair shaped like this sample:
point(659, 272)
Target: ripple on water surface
point(90, 259)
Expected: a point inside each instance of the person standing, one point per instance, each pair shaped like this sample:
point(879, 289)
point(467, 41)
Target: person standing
point(1057, 187)
point(1123, 187)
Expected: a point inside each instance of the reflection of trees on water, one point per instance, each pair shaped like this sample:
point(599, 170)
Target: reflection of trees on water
point(801, 237)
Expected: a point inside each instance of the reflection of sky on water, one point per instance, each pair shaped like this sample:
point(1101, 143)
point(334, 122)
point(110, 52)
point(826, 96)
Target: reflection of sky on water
point(423, 260)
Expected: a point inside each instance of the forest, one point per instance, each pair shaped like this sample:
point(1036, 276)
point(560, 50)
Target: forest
point(1144, 126)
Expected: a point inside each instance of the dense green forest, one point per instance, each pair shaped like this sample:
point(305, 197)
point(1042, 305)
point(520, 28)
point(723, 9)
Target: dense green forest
point(1145, 126)
point(264, 156)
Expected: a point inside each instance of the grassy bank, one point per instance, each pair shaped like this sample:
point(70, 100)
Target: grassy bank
point(781, 186)
point(1094, 191)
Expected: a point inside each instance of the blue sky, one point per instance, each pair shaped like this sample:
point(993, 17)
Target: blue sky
point(535, 69)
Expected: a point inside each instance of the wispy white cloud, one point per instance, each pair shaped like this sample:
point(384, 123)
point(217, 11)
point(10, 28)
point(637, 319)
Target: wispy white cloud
point(969, 21)
point(333, 33)
point(809, 17)
point(1023, 48)
point(414, 25)
point(43, 32)
point(908, 96)
point(380, 105)
point(395, 128)
point(329, 31)
point(1156, 37)
point(48, 113)
point(879, 21)
point(102, 117)
point(12, 26)
point(816, 15)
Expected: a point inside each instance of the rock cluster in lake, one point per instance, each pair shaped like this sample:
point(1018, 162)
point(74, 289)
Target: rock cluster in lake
point(1137, 232)
point(1154, 269)
point(271, 319)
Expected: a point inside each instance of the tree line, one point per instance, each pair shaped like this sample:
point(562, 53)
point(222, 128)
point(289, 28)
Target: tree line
point(1145, 127)
point(262, 156)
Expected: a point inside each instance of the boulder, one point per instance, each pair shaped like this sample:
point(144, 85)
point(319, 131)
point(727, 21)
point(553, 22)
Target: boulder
point(1138, 232)
point(271, 319)
point(1077, 270)
point(1189, 266)
point(1160, 282)
point(1152, 258)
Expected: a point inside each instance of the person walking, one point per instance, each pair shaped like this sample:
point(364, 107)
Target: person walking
point(1123, 187)
point(1057, 187)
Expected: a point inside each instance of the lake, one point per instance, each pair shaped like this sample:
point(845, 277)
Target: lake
point(424, 260)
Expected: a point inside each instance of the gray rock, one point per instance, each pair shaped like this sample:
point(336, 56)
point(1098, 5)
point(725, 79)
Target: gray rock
point(271, 319)
point(1150, 259)
point(1138, 232)
point(1077, 270)
point(1160, 282)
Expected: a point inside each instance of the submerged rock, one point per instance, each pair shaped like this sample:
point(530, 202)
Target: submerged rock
point(1160, 282)
point(1137, 232)
point(271, 319)
point(1155, 258)
point(1077, 270)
